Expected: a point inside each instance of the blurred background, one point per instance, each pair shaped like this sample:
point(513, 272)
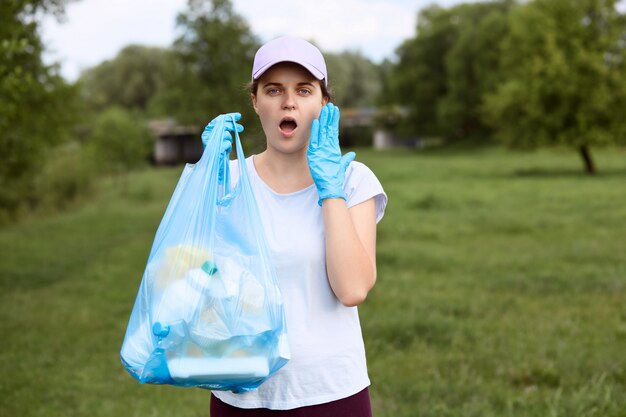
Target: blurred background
point(497, 128)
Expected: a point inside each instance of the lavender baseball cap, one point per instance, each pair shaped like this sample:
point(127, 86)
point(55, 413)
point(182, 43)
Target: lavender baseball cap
point(290, 49)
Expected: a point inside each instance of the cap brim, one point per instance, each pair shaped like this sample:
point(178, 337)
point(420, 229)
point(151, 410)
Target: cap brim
point(314, 71)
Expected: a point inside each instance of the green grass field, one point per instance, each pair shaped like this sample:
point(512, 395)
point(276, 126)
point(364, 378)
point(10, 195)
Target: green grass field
point(501, 292)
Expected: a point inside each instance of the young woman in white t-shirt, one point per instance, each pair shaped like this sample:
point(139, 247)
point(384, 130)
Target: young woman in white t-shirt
point(319, 210)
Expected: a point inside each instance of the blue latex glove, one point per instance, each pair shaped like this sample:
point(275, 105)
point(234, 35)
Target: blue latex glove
point(227, 137)
point(327, 166)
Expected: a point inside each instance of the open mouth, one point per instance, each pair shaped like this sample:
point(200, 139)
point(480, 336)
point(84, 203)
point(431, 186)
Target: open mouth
point(288, 125)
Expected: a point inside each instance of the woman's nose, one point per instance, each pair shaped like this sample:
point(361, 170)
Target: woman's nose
point(289, 101)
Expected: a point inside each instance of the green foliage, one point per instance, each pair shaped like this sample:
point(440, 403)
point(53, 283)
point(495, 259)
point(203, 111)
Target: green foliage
point(36, 108)
point(537, 73)
point(472, 66)
point(355, 80)
point(565, 68)
point(445, 70)
point(130, 80)
point(419, 78)
point(470, 315)
point(120, 140)
point(68, 175)
point(213, 59)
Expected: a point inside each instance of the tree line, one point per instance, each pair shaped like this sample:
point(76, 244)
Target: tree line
point(528, 74)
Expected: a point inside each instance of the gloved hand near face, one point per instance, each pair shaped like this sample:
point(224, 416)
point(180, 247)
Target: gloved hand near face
point(327, 166)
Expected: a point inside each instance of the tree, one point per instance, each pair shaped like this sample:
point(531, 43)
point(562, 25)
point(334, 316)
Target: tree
point(213, 62)
point(354, 79)
point(36, 106)
point(418, 80)
point(443, 72)
point(119, 140)
point(129, 80)
point(472, 68)
point(565, 66)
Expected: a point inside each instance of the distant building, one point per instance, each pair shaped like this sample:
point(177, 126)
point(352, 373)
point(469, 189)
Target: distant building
point(358, 117)
point(385, 139)
point(385, 136)
point(175, 144)
point(379, 137)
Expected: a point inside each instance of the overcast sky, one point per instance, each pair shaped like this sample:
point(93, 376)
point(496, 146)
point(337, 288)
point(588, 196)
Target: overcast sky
point(95, 30)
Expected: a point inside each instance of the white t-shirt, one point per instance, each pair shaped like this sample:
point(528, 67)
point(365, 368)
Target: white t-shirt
point(327, 351)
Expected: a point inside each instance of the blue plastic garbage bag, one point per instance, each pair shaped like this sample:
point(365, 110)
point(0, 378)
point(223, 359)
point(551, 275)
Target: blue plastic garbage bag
point(208, 312)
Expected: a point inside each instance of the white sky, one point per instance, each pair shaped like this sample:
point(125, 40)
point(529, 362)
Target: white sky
point(95, 30)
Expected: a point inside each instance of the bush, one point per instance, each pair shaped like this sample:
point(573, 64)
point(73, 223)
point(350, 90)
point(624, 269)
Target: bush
point(67, 175)
point(119, 141)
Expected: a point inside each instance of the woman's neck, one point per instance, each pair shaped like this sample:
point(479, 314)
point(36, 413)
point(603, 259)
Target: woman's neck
point(284, 173)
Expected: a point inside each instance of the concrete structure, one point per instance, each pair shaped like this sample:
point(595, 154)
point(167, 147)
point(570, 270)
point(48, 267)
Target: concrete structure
point(175, 144)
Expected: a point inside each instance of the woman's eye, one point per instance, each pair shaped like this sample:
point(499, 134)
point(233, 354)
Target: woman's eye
point(273, 91)
point(304, 92)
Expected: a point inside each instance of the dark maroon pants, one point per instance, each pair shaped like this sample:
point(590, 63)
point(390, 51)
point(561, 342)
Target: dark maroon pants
point(357, 405)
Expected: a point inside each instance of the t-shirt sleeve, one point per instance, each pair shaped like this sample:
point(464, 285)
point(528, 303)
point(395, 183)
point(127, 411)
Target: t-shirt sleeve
point(361, 184)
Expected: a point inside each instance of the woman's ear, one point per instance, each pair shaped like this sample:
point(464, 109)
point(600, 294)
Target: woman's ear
point(325, 100)
point(253, 98)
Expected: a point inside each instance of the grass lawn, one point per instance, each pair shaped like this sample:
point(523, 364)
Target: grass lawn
point(501, 292)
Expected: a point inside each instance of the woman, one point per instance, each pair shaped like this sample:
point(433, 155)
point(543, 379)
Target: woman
point(320, 212)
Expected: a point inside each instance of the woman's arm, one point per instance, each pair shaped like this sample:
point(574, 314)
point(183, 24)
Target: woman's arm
point(350, 249)
point(350, 233)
